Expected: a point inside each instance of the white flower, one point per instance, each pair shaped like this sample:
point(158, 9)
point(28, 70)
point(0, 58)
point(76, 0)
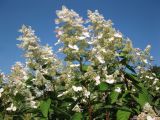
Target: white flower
point(118, 35)
point(1, 90)
point(86, 34)
point(15, 92)
point(100, 59)
point(76, 89)
point(95, 17)
point(139, 67)
point(86, 93)
point(147, 76)
point(137, 53)
point(73, 47)
point(147, 49)
point(63, 93)
point(60, 49)
point(151, 78)
point(103, 50)
point(118, 89)
point(100, 36)
point(74, 65)
point(145, 61)
point(133, 89)
point(76, 108)
point(147, 107)
point(109, 79)
point(111, 39)
point(157, 88)
point(11, 108)
point(33, 104)
point(155, 81)
point(91, 42)
point(81, 37)
point(150, 118)
point(25, 77)
point(66, 15)
point(60, 32)
point(104, 68)
point(59, 41)
point(97, 79)
point(74, 98)
point(84, 101)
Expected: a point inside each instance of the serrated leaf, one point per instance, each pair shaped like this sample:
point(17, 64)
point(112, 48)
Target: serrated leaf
point(77, 116)
point(123, 115)
point(103, 86)
point(44, 107)
point(143, 96)
point(142, 99)
point(114, 96)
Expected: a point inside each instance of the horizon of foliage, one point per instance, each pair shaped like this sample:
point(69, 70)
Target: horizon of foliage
point(102, 76)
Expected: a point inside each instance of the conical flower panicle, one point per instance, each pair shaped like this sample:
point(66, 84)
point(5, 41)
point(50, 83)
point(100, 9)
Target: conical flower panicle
point(72, 33)
point(28, 38)
point(38, 57)
point(96, 53)
point(41, 62)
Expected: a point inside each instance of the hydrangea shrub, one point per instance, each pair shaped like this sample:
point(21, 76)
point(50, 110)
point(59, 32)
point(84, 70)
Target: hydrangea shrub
point(102, 76)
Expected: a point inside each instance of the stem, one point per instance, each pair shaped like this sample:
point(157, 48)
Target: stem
point(81, 64)
point(126, 82)
point(89, 104)
point(90, 111)
point(107, 116)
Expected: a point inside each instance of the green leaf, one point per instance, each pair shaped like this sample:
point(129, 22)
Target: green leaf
point(114, 96)
point(62, 111)
point(19, 97)
point(77, 116)
point(143, 96)
point(142, 99)
point(133, 78)
point(85, 68)
point(44, 107)
point(123, 115)
point(130, 68)
point(43, 118)
point(47, 77)
point(103, 86)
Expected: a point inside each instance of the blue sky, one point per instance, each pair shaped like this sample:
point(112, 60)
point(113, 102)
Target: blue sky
point(137, 19)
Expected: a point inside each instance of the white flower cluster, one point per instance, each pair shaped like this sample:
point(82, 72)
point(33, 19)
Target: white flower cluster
point(25, 79)
point(148, 113)
point(1, 91)
point(95, 17)
point(11, 108)
point(96, 43)
point(66, 15)
point(29, 40)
